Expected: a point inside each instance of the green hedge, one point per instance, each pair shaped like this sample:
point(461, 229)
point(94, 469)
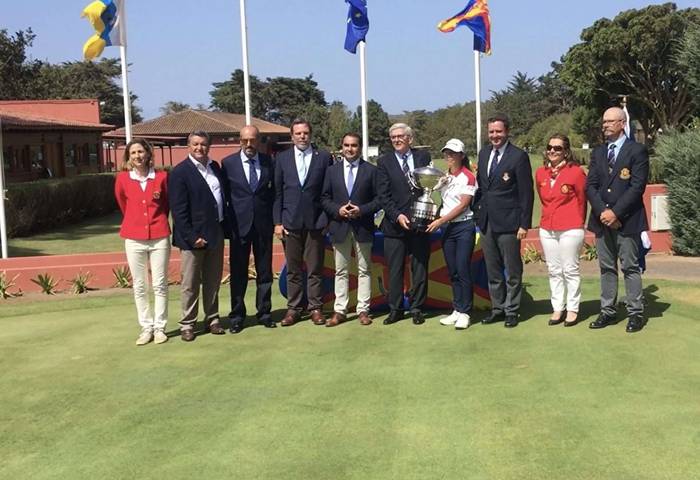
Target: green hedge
point(678, 154)
point(34, 207)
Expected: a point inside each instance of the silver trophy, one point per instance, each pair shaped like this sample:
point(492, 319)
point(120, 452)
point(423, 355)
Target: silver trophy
point(424, 210)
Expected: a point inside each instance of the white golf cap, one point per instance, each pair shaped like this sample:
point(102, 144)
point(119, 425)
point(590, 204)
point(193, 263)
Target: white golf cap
point(455, 145)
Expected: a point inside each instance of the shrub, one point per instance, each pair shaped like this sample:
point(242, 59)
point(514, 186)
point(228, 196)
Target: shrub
point(589, 252)
point(38, 206)
point(531, 255)
point(47, 283)
point(81, 283)
point(681, 166)
point(6, 284)
point(122, 277)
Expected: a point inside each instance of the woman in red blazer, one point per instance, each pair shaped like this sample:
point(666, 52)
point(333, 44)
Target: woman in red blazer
point(142, 195)
point(561, 185)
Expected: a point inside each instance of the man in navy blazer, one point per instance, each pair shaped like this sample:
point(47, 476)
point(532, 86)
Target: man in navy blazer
point(616, 181)
point(249, 175)
point(299, 221)
point(396, 197)
point(350, 201)
point(197, 196)
point(504, 211)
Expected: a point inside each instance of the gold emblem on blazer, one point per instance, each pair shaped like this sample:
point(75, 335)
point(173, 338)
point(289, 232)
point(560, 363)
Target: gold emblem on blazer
point(543, 184)
point(156, 195)
point(625, 173)
point(565, 189)
point(506, 176)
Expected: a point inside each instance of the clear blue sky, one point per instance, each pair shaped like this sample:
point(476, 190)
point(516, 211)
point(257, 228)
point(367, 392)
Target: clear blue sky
point(179, 48)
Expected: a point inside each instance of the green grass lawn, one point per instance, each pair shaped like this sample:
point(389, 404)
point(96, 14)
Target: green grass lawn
point(80, 401)
point(93, 235)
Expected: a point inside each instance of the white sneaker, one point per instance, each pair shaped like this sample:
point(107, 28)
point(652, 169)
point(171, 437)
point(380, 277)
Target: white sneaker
point(450, 319)
point(159, 337)
point(144, 338)
point(462, 322)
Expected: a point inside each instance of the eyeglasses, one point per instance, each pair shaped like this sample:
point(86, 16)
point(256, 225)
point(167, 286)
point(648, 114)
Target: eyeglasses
point(398, 137)
point(556, 148)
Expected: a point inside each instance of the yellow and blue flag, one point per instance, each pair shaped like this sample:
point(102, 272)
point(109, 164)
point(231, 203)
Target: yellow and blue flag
point(358, 24)
point(106, 18)
point(475, 16)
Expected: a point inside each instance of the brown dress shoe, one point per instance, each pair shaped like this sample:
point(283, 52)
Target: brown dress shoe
point(187, 335)
point(216, 329)
point(290, 318)
point(364, 318)
point(317, 317)
point(335, 320)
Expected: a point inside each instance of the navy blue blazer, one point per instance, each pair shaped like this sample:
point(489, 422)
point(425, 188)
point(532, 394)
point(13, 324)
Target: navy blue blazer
point(395, 193)
point(193, 207)
point(363, 195)
point(620, 188)
point(505, 201)
point(298, 206)
point(250, 208)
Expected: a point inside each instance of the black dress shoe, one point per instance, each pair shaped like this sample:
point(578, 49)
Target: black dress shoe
point(635, 323)
point(602, 321)
point(236, 327)
point(557, 321)
point(393, 317)
point(493, 318)
point(268, 323)
point(418, 318)
point(511, 321)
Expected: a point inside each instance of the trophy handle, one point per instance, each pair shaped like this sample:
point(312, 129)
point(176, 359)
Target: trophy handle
point(411, 180)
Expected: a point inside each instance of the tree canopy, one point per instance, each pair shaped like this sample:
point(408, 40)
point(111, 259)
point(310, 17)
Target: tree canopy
point(632, 55)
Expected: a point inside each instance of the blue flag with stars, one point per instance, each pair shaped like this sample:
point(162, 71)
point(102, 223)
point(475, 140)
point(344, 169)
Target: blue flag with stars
point(358, 24)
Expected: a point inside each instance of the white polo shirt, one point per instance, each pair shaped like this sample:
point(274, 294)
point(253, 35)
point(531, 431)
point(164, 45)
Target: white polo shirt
point(464, 183)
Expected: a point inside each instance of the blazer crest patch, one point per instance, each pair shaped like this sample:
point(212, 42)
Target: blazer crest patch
point(565, 188)
point(625, 174)
point(506, 176)
point(156, 194)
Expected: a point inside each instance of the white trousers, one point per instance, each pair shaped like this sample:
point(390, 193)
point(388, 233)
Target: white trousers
point(561, 250)
point(139, 253)
point(343, 257)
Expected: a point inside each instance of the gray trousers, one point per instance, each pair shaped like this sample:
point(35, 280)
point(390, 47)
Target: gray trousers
point(201, 267)
point(502, 250)
point(612, 247)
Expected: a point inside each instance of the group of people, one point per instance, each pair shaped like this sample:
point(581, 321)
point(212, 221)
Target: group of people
point(303, 194)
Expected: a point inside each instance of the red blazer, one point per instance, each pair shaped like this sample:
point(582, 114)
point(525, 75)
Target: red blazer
point(145, 212)
point(564, 202)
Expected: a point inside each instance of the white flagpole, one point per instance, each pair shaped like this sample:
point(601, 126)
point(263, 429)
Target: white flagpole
point(244, 48)
point(477, 87)
point(3, 224)
point(125, 70)
point(363, 99)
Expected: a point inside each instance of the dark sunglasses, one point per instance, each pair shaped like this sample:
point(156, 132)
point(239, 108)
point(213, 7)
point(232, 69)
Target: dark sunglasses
point(556, 148)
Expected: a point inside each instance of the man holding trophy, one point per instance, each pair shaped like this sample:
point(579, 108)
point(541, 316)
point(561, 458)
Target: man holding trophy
point(398, 195)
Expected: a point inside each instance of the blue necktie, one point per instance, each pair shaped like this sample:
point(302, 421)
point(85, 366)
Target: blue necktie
point(351, 180)
point(611, 155)
point(405, 166)
point(252, 175)
point(494, 164)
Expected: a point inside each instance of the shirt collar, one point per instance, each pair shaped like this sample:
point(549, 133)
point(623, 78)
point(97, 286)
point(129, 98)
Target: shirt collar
point(408, 154)
point(354, 163)
point(149, 176)
point(245, 158)
point(198, 164)
point(618, 143)
point(305, 152)
point(502, 148)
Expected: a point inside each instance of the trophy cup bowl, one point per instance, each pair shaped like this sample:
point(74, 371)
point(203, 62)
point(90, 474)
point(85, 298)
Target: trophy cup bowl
point(424, 210)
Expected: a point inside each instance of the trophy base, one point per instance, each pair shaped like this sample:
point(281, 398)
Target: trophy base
point(422, 215)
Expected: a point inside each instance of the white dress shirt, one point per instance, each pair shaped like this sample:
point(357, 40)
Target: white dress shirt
point(246, 167)
point(409, 160)
point(213, 182)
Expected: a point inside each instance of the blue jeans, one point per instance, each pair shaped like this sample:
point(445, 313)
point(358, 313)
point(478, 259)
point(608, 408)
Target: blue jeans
point(458, 246)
